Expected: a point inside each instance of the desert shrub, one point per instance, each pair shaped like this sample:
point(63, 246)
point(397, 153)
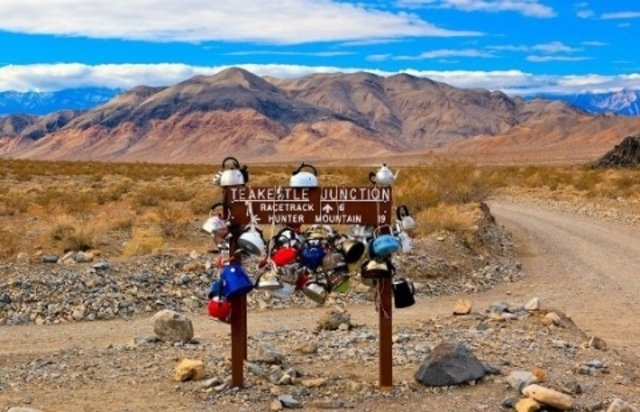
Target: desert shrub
point(172, 221)
point(450, 218)
point(143, 242)
point(123, 225)
point(9, 244)
point(147, 197)
point(78, 203)
point(70, 237)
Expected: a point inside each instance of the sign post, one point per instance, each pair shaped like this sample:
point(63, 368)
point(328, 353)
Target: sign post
point(329, 205)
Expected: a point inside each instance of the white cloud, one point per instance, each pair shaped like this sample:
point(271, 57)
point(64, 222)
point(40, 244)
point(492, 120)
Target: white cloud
point(544, 59)
point(379, 57)
point(438, 54)
point(554, 47)
point(58, 76)
point(621, 15)
point(532, 8)
point(585, 14)
point(289, 53)
point(594, 43)
point(261, 21)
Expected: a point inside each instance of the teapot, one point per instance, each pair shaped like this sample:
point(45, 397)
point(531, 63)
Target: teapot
point(408, 223)
point(268, 280)
point(304, 179)
point(215, 224)
point(383, 244)
point(316, 291)
point(234, 175)
point(252, 241)
point(403, 293)
point(219, 308)
point(384, 177)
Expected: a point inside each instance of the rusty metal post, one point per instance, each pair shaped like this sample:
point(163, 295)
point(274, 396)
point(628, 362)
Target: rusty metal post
point(385, 380)
point(238, 318)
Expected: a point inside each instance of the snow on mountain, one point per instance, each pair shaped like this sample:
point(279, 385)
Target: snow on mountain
point(42, 103)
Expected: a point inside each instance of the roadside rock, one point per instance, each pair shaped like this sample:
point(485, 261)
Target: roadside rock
point(449, 363)
point(172, 326)
point(549, 397)
point(190, 369)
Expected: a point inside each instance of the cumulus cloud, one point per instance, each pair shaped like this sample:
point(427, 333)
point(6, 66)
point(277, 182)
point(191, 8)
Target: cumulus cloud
point(438, 54)
point(594, 43)
point(544, 59)
point(261, 21)
point(49, 77)
point(531, 8)
point(554, 47)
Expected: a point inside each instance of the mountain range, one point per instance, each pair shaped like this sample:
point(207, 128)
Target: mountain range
point(624, 102)
point(321, 116)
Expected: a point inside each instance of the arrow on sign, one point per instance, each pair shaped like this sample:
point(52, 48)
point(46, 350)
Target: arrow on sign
point(327, 209)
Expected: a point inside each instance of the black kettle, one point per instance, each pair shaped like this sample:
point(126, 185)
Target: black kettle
point(403, 292)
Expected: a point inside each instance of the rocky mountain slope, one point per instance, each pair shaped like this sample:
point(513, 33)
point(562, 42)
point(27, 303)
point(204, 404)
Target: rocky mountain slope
point(321, 116)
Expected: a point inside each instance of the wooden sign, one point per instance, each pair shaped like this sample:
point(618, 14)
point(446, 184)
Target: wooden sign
point(319, 205)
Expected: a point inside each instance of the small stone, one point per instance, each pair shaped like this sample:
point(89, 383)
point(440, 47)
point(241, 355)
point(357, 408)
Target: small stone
point(519, 380)
point(210, 383)
point(22, 257)
point(540, 374)
point(463, 307)
point(618, 405)
point(527, 405)
point(276, 405)
point(308, 348)
point(289, 402)
point(549, 397)
point(533, 304)
point(597, 343)
point(551, 318)
point(314, 383)
point(189, 369)
point(101, 266)
point(333, 319)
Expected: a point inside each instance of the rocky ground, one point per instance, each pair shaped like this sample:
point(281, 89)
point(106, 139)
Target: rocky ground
point(301, 355)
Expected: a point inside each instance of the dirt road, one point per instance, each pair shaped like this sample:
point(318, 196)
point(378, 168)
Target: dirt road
point(589, 268)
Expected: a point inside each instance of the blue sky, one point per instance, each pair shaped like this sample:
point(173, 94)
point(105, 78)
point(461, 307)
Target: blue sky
point(518, 46)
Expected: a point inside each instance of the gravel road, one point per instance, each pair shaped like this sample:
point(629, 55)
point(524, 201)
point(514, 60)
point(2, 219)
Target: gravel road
point(585, 266)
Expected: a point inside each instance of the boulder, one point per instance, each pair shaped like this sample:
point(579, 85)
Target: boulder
point(449, 363)
point(171, 326)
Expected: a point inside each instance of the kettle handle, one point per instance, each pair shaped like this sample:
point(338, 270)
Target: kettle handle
point(402, 211)
point(303, 165)
point(214, 207)
point(376, 232)
point(236, 164)
point(372, 177)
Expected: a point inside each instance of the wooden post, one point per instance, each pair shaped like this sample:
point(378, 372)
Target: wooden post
point(238, 322)
point(385, 380)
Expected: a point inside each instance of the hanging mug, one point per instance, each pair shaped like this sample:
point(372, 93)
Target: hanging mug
point(403, 293)
point(235, 280)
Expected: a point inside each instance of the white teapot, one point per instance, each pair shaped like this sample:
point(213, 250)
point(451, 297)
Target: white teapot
point(384, 177)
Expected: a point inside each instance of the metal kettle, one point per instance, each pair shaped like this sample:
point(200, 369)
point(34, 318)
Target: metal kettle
point(304, 179)
point(233, 175)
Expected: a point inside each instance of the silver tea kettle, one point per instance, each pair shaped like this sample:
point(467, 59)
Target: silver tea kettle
point(301, 178)
point(233, 175)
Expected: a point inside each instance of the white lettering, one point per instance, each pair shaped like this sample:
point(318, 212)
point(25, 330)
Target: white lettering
point(338, 219)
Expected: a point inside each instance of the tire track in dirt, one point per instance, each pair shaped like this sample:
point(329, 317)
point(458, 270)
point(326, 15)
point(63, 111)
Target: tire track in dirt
point(586, 267)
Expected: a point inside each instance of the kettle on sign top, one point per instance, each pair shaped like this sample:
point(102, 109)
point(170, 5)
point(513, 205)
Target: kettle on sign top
point(301, 178)
point(384, 177)
point(233, 175)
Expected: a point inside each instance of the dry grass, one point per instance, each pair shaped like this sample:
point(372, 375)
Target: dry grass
point(136, 208)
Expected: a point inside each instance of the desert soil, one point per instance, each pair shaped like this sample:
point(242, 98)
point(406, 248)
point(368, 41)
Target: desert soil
point(583, 266)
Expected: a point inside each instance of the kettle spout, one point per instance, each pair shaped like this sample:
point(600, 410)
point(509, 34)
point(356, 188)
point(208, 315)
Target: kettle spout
point(395, 176)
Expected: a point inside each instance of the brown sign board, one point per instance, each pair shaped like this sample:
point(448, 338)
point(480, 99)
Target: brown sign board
point(335, 205)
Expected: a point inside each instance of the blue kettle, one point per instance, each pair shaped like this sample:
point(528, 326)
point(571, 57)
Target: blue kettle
point(216, 289)
point(385, 244)
point(235, 280)
point(311, 255)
